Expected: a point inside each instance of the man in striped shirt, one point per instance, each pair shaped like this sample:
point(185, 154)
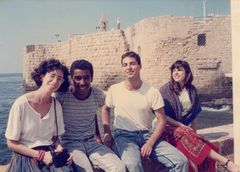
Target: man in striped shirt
point(79, 105)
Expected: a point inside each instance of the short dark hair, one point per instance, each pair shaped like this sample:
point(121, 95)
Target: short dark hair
point(49, 66)
point(133, 55)
point(189, 76)
point(83, 65)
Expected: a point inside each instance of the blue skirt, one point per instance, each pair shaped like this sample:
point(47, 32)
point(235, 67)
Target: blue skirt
point(22, 163)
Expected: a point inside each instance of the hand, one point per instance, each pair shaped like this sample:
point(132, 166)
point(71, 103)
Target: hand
point(70, 159)
point(59, 148)
point(98, 139)
point(47, 158)
point(146, 150)
point(177, 136)
point(178, 133)
point(107, 139)
point(182, 125)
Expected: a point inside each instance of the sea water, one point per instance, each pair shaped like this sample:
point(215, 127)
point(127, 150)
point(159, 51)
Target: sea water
point(11, 87)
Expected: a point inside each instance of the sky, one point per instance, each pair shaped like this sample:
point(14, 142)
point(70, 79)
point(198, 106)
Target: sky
point(28, 22)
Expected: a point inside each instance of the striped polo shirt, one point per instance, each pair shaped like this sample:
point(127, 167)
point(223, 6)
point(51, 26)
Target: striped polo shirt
point(79, 115)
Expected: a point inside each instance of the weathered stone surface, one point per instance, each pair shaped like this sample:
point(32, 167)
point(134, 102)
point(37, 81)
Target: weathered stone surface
point(160, 41)
point(222, 135)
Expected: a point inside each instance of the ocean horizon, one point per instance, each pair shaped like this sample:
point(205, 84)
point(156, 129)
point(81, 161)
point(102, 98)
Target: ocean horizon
point(3, 73)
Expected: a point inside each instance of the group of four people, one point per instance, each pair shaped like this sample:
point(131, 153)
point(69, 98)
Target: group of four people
point(32, 124)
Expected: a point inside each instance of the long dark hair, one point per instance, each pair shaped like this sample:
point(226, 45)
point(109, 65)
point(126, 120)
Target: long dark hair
point(188, 79)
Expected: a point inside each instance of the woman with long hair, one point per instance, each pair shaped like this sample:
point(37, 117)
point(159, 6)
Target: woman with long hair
point(182, 107)
point(35, 121)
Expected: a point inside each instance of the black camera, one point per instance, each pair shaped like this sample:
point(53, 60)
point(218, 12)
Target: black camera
point(60, 158)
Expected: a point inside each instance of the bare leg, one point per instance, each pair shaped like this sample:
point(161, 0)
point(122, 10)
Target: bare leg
point(222, 160)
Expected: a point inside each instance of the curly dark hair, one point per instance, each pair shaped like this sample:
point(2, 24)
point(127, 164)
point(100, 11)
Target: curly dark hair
point(189, 76)
point(49, 66)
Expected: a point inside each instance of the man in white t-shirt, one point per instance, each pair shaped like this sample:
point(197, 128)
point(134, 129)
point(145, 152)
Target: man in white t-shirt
point(135, 105)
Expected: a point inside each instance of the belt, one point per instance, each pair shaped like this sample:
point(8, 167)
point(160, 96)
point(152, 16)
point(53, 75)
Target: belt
point(79, 140)
point(136, 131)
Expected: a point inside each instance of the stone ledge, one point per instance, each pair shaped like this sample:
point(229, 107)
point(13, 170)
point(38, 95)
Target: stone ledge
point(222, 135)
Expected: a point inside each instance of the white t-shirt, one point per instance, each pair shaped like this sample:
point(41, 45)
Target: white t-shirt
point(26, 126)
point(185, 101)
point(133, 110)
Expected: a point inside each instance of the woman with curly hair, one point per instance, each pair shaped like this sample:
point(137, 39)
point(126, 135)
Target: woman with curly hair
point(35, 121)
point(181, 108)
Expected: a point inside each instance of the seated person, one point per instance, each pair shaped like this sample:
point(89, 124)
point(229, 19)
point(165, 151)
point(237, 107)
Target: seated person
point(134, 102)
point(182, 107)
point(81, 137)
point(32, 125)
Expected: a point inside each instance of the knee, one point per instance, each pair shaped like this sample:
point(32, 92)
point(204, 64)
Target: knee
point(120, 168)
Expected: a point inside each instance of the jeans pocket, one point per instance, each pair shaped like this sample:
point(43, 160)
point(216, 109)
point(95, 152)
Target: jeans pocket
point(116, 133)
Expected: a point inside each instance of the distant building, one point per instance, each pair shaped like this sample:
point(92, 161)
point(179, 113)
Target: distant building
point(205, 44)
point(118, 23)
point(103, 23)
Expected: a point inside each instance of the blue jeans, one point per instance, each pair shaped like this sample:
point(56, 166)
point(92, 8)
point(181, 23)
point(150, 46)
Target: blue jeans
point(129, 143)
point(89, 152)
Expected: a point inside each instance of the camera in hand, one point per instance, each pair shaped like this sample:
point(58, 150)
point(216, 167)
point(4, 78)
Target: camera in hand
point(60, 158)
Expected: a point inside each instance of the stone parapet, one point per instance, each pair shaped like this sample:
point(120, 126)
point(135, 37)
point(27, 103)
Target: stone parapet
point(222, 135)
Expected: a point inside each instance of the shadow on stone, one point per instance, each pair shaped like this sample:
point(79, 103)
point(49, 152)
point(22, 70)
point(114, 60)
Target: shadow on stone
point(217, 135)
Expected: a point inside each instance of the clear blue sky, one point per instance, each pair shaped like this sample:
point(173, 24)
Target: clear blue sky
point(26, 22)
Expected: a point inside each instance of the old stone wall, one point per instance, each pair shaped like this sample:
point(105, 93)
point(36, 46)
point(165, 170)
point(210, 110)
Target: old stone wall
point(159, 41)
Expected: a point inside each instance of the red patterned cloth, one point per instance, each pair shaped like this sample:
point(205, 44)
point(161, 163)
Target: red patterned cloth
point(192, 145)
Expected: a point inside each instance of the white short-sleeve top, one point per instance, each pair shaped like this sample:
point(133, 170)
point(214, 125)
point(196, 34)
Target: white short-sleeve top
point(133, 110)
point(27, 127)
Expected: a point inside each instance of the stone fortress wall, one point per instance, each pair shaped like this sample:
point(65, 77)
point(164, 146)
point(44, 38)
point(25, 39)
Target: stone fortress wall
point(159, 41)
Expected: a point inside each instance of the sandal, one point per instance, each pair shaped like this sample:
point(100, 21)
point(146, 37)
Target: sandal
point(225, 165)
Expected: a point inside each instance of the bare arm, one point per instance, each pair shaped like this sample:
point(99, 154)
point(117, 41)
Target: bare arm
point(97, 132)
point(194, 125)
point(161, 121)
point(58, 146)
point(20, 148)
point(173, 122)
point(160, 126)
point(107, 138)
